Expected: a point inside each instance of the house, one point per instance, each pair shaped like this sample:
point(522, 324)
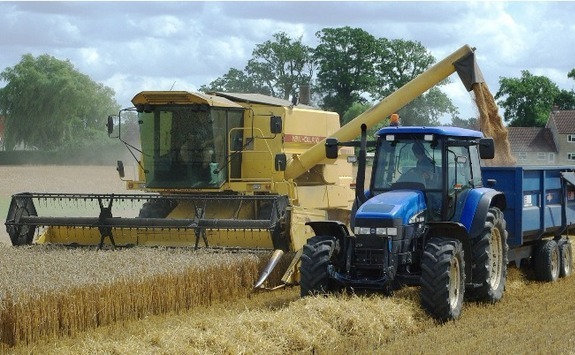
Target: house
point(553, 144)
point(562, 126)
point(532, 145)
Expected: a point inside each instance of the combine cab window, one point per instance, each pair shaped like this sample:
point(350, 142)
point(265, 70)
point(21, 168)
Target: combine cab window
point(186, 146)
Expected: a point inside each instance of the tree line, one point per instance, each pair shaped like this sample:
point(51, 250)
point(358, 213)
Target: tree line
point(48, 104)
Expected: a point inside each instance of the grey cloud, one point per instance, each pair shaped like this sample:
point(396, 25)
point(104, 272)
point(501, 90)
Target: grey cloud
point(133, 45)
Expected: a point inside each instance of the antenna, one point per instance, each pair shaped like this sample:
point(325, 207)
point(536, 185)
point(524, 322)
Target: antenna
point(172, 86)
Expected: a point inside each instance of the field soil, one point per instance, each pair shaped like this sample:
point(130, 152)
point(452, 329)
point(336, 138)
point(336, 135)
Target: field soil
point(533, 317)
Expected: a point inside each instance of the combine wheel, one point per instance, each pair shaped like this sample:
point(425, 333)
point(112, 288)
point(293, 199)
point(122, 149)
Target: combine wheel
point(443, 278)
point(158, 208)
point(566, 258)
point(489, 255)
point(21, 234)
point(547, 261)
point(318, 254)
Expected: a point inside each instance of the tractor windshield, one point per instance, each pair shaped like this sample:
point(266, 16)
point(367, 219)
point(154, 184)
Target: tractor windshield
point(410, 161)
point(186, 146)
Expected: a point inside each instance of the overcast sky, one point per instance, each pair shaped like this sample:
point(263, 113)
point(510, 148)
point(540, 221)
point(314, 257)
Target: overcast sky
point(135, 46)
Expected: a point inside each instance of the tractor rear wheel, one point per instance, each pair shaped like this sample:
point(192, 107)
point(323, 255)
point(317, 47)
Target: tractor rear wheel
point(489, 255)
point(318, 254)
point(547, 261)
point(443, 278)
point(566, 253)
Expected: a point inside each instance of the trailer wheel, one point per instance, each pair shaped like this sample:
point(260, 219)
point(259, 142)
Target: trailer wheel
point(547, 261)
point(566, 254)
point(318, 254)
point(489, 255)
point(443, 278)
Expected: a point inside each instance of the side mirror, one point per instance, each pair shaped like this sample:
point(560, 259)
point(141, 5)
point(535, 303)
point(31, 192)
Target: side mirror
point(120, 168)
point(276, 125)
point(486, 148)
point(280, 162)
point(331, 148)
point(110, 125)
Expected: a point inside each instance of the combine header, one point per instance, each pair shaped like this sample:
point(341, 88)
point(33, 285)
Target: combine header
point(221, 170)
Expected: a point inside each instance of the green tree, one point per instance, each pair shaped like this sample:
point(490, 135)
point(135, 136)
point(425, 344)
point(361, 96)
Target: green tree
point(528, 100)
point(400, 61)
point(470, 123)
point(48, 104)
point(426, 109)
point(281, 65)
point(345, 58)
point(356, 109)
point(565, 100)
point(277, 68)
point(235, 80)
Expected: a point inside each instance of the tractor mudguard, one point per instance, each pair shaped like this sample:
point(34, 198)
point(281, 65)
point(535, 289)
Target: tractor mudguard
point(333, 228)
point(457, 231)
point(477, 204)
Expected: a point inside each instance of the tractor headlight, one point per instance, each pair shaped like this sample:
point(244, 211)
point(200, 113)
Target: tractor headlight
point(380, 231)
point(361, 230)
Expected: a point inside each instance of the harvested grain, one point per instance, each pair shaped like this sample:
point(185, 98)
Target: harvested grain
point(492, 126)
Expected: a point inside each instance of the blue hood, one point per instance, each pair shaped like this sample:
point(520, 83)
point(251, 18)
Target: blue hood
point(397, 206)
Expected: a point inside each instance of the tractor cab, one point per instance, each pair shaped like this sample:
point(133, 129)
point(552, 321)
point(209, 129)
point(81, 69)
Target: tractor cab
point(441, 162)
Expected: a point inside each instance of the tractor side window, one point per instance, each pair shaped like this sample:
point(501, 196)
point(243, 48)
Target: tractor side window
point(458, 168)
point(475, 168)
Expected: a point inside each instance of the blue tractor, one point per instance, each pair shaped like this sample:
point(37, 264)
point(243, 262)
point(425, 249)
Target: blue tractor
point(426, 219)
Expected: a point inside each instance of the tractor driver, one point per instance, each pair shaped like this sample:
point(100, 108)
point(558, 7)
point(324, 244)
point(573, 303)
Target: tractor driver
point(424, 165)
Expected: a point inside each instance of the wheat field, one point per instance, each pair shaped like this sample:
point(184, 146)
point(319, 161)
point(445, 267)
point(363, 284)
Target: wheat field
point(130, 302)
point(532, 318)
point(48, 292)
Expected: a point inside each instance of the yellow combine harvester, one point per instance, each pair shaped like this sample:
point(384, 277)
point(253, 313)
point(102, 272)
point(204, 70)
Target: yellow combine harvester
point(223, 170)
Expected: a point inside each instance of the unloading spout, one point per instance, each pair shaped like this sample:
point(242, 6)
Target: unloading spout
point(468, 71)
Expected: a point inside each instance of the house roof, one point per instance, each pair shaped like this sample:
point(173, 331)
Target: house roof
point(531, 139)
point(564, 121)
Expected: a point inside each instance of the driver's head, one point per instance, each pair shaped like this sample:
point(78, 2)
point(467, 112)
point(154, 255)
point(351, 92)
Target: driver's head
point(418, 150)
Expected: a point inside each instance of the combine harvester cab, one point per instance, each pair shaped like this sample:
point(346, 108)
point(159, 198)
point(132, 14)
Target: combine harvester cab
point(227, 169)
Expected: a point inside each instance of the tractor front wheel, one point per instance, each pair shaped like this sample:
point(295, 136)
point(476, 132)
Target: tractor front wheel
point(490, 259)
point(443, 278)
point(318, 254)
